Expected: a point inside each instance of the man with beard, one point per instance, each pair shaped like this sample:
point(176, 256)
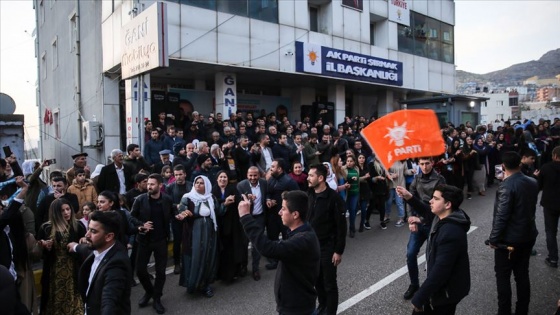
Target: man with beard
point(205, 168)
point(176, 190)
point(134, 159)
point(326, 148)
point(327, 216)
point(151, 214)
point(105, 274)
point(140, 187)
point(187, 158)
point(243, 155)
point(278, 182)
point(254, 188)
point(80, 162)
point(310, 151)
point(281, 150)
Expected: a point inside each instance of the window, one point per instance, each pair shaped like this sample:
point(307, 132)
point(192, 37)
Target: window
point(500, 103)
point(372, 34)
point(54, 53)
point(42, 12)
point(265, 10)
point(73, 32)
point(313, 19)
point(206, 4)
point(56, 120)
point(237, 7)
point(44, 65)
point(427, 37)
point(500, 116)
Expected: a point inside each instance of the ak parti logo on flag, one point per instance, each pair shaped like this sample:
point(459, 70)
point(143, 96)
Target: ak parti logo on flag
point(404, 134)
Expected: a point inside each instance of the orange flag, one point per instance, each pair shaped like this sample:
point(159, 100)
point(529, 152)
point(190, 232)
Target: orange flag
point(404, 134)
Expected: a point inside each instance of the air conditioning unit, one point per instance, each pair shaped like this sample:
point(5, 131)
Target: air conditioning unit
point(90, 133)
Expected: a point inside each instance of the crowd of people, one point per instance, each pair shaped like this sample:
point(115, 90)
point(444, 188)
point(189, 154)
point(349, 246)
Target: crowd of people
point(198, 178)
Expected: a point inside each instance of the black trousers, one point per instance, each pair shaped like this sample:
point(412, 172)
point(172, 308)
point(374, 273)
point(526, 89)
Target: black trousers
point(159, 249)
point(326, 285)
point(551, 229)
point(447, 309)
point(518, 263)
point(255, 255)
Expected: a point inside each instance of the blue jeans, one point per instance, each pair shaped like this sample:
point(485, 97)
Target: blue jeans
point(398, 200)
point(352, 206)
point(415, 242)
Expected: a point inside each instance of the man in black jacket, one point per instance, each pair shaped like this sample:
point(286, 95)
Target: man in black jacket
point(254, 188)
point(151, 214)
point(514, 225)
point(278, 183)
point(106, 272)
point(549, 179)
point(176, 191)
point(327, 216)
point(448, 280)
point(421, 187)
point(115, 177)
point(299, 254)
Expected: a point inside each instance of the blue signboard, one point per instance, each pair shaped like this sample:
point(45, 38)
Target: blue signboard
point(312, 58)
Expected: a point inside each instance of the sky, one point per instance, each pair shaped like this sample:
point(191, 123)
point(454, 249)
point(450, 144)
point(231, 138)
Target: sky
point(489, 36)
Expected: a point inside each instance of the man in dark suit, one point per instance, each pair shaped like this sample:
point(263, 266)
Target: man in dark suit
point(243, 155)
point(151, 214)
point(254, 188)
point(115, 177)
point(106, 273)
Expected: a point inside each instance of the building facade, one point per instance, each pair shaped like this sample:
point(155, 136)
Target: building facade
point(328, 58)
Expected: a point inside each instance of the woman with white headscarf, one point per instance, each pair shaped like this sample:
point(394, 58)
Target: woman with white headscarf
point(331, 177)
point(198, 211)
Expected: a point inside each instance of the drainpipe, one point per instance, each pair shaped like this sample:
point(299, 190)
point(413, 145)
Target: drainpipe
point(38, 88)
point(78, 83)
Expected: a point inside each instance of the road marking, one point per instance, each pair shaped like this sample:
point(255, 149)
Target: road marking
point(382, 283)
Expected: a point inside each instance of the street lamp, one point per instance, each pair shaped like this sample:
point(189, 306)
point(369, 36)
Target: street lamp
point(471, 104)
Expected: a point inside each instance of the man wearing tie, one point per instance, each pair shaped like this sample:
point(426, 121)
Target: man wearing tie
point(105, 276)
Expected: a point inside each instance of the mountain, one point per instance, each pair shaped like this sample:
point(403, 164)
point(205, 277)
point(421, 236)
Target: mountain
point(548, 66)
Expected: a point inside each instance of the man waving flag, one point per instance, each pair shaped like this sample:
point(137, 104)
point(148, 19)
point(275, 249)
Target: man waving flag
point(404, 134)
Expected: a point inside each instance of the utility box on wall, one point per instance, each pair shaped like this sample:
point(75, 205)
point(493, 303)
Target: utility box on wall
point(90, 133)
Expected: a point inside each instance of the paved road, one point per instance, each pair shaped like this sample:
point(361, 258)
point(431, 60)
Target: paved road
point(372, 279)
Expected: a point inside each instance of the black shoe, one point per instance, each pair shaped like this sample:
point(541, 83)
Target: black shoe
point(177, 269)
point(208, 292)
point(352, 233)
point(134, 283)
point(410, 292)
point(551, 263)
point(256, 275)
point(361, 229)
point(271, 266)
point(367, 226)
point(145, 300)
point(158, 306)
point(243, 271)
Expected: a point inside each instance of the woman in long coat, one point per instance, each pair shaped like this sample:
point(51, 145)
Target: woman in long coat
point(232, 240)
point(59, 281)
point(199, 211)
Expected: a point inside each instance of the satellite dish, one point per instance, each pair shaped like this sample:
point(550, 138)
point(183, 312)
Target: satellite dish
point(7, 104)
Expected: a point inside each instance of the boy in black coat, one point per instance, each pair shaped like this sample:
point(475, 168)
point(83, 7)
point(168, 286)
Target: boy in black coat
point(448, 280)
